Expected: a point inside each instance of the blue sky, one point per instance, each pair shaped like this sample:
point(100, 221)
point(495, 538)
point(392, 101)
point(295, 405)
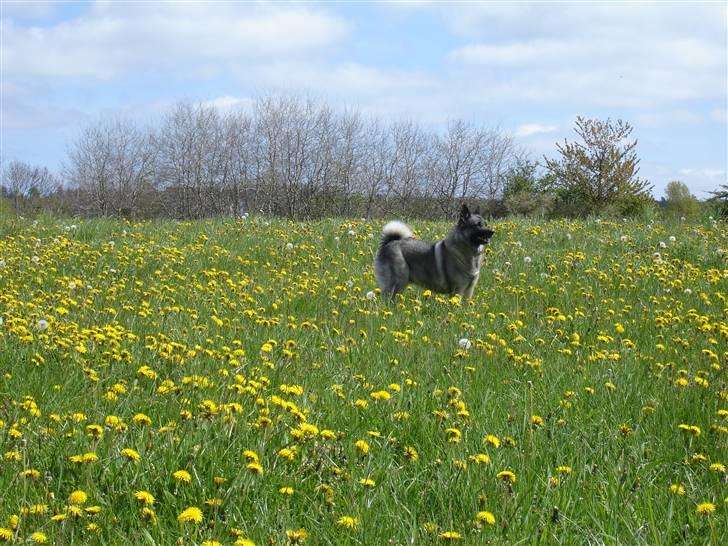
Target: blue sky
point(528, 68)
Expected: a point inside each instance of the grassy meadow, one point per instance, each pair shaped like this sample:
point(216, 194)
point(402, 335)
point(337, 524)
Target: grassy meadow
point(242, 382)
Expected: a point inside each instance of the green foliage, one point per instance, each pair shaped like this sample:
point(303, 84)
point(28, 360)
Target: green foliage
point(600, 170)
point(521, 178)
point(679, 201)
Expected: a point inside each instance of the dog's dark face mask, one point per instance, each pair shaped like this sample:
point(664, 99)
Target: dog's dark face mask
point(473, 228)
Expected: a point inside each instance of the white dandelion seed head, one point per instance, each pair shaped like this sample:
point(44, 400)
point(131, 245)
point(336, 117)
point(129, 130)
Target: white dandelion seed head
point(289, 246)
point(337, 239)
point(662, 244)
point(623, 238)
point(66, 228)
point(371, 295)
point(507, 264)
point(656, 255)
point(568, 236)
point(464, 343)
point(3, 263)
point(518, 244)
point(370, 236)
point(1, 321)
point(687, 291)
point(349, 283)
point(42, 325)
point(71, 285)
point(74, 227)
point(682, 218)
point(112, 243)
point(352, 232)
point(35, 259)
point(527, 259)
point(673, 238)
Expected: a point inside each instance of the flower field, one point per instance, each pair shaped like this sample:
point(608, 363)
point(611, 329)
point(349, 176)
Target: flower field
point(242, 382)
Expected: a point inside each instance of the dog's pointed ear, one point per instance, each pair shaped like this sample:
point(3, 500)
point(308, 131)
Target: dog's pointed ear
point(464, 213)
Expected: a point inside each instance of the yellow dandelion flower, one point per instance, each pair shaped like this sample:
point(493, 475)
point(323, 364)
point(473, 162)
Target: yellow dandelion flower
point(480, 458)
point(362, 447)
point(6, 535)
point(705, 508)
point(492, 441)
point(297, 537)
point(485, 517)
point(149, 515)
point(252, 456)
point(182, 476)
point(130, 454)
point(144, 497)
point(39, 537)
point(450, 536)
point(349, 522)
point(255, 468)
point(507, 476)
point(141, 419)
point(677, 489)
point(287, 453)
point(453, 435)
point(367, 482)
point(77, 497)
point(191, 514)
point(411, 454)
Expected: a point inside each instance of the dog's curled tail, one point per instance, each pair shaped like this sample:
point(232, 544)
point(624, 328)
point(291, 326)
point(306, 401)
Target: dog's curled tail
point(395, 231)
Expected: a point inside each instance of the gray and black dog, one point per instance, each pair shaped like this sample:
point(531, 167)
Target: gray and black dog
point(450, 266)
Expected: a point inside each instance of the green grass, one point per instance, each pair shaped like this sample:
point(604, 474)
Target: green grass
point(587, 351)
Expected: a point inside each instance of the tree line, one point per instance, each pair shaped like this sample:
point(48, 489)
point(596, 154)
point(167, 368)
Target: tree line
point(297, 157)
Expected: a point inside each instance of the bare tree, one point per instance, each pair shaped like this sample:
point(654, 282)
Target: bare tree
point(22, 182)
point(377, 169)
point(239, 179)
point(467, 163)
point(112, 162)
point(191, 160)
point(411, 149)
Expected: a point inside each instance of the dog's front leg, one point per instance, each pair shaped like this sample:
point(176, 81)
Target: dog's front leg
point(470, 288)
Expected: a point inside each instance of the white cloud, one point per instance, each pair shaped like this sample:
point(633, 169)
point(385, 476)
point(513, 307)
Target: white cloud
point(529, 129)
point(713, 174)
point(601, 53)
point(116, 38)
point(228, 102)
